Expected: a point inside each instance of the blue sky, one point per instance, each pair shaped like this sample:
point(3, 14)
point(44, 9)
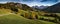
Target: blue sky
point(33, 2)
point(39, 2)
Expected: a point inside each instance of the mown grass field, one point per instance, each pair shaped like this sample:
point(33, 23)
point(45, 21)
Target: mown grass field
point(15, 19)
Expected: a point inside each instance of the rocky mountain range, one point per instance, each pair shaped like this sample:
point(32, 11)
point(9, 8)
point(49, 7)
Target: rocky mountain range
point(40, 7)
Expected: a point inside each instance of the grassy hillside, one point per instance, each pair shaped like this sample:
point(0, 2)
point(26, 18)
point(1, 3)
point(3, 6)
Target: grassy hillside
point(15, 19)
point(13, 13)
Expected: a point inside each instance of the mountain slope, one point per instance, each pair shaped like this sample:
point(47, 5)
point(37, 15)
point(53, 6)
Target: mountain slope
point(53, 9)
